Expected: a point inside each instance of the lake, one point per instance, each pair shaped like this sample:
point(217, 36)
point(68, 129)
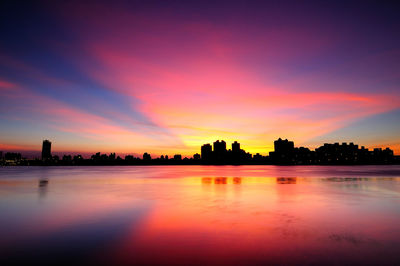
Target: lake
point(231, 215)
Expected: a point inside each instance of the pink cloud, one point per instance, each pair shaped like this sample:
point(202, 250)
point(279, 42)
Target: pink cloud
point(199, 81)
point(92, 132)
point(200, 97)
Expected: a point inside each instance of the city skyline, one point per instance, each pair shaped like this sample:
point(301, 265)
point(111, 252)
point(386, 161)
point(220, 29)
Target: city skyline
point(156, 77)
point(285, 152)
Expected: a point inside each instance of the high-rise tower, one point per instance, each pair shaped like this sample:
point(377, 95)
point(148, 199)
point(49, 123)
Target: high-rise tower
point(46, 150)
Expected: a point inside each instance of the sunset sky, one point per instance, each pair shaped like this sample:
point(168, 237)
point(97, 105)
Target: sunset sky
point(166, 77)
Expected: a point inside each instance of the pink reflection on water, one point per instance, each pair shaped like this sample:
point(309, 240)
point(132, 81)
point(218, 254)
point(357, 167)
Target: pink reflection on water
point(260, 220)
point(208, 215)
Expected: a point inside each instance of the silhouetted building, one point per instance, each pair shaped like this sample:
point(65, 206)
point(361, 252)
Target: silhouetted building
point(78, 158)
point(220, 155)
point(206, 152)
point(129, 158)
point(1, 155)
point(12, 156)
point(236, 147)
point(350, 154)
point(56, 158)
point(67, 158)
point(220, 146)
point(383, 156)
point(283, 152)
point(257, 157)
point(46, 150)
point(283, 146)
point(219, 151)
point(286, 153)
point(146, 157)
point(303, 156)
point(340, 154)
point(97, 158)
point(236, 153)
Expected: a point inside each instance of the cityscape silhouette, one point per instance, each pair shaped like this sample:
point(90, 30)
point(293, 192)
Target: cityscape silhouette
point(285, 153)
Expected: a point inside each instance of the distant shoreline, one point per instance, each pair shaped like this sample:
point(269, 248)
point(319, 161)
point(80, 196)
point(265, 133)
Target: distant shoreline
point(285, 153)
point(189, 164)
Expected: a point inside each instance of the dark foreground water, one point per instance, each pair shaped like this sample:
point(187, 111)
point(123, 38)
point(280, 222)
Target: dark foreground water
point(279, 215)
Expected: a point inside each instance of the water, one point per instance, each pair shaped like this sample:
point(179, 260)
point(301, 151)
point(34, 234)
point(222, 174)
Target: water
point(280, 215)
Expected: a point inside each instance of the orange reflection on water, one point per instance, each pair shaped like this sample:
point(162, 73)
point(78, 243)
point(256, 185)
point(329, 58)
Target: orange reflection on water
point(286, 180)
point(199, 215)
point(221, 180)
point(222, 223)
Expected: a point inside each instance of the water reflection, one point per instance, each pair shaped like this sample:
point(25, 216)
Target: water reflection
point(346, 179)
point(237, 180)
point(43, 183)
point(359, 179)
point(221, 180)
point(207, 180)
point(286, 180)
point(205, 215)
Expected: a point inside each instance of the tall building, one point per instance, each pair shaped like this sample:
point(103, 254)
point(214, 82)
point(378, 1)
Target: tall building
point(219, 146)
point(284, 152)
point(206, 152)
point(220, 150)
point(46, 150)
point(235, 147)
point(283, 146)
point(236, 154)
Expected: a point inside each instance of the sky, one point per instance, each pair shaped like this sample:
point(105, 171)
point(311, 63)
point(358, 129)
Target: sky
point(166, 77)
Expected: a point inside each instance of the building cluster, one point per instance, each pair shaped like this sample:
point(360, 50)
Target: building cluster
point(285, 153)
point(10, 158)
point(219, 154)
point(345, 153)
point(350, 153)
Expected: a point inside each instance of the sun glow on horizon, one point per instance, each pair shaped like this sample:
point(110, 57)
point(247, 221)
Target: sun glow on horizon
point(165, 80)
